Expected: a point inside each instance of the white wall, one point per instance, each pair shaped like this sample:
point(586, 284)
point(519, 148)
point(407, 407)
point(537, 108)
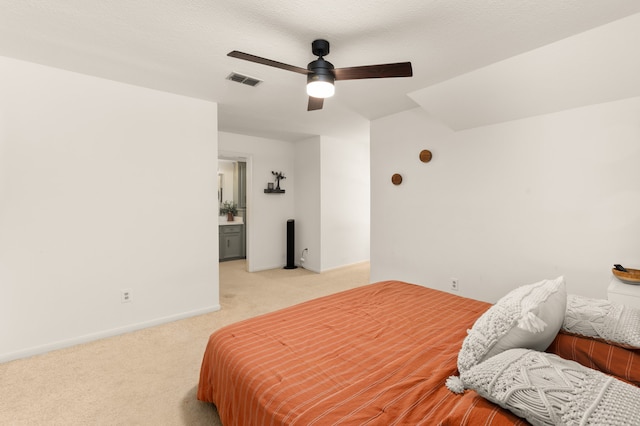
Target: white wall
point(103, 187)
point(516, 201)
point(308, 203)
point(508, 204)
point(267, 213)
point(327, 194)
point(332, 202)
point(345, 201)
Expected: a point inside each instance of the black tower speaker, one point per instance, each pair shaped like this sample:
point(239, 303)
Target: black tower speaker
point(290, 244)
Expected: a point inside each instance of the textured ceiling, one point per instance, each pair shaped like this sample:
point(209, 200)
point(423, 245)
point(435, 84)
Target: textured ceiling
point(180, 46)
point(593, 67)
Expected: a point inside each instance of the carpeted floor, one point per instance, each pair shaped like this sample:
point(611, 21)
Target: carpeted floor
point(149, 377)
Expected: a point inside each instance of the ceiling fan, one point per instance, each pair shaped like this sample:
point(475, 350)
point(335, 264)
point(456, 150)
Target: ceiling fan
point(321, 74)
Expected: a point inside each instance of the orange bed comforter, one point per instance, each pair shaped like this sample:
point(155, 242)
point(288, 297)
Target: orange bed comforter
point(375, 355)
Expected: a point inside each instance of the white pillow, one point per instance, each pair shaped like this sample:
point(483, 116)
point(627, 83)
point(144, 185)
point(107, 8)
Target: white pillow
point(548, 390)
point(601, 318)
point(528, 317)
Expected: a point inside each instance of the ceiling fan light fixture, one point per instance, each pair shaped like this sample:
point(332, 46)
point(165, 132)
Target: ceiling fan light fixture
point(320, 89)
point(320, 79)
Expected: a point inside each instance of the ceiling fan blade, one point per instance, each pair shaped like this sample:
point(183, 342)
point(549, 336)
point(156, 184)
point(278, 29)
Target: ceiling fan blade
point(269, 62)
point(400, 69)
point(315, 103)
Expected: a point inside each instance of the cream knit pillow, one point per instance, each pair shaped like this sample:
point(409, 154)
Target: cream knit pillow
point(613, 322)
point(527, 317)
point(548, 390)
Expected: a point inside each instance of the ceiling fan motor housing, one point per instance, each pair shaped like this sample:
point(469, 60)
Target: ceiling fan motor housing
point(320, 70)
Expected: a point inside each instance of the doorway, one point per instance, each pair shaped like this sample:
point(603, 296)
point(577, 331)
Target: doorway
point(234, 177)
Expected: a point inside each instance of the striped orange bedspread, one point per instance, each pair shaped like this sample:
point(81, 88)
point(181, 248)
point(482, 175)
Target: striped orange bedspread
point(375, 355)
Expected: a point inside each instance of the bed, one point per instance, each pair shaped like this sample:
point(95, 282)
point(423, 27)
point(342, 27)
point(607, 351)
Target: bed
point(377, 354)
point(374, 355)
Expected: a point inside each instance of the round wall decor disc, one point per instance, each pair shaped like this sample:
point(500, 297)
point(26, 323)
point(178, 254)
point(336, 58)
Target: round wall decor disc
point(396, 179)
point(425, 155)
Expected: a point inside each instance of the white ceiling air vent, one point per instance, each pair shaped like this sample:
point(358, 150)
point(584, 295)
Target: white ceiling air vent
point(239, 78)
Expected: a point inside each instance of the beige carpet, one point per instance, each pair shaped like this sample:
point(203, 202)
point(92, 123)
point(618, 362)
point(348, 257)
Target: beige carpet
point(149, 377)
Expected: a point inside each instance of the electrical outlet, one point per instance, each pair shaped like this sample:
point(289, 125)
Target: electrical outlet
point(125, 296)
point(455, 284)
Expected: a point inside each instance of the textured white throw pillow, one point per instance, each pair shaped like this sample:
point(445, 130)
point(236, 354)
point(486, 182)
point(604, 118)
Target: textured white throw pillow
point(529, 316)
point(548, 390)
point(607, 320)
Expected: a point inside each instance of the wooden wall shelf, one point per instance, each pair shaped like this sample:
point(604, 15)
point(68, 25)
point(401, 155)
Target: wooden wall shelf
point(274, 191)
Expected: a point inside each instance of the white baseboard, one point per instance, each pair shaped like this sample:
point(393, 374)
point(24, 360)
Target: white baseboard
point(38, 350)
point(344, 266)
point(266, 268)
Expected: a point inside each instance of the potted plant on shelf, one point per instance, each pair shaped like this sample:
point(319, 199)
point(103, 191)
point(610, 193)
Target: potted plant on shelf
point(279, 176)
point(230, 209)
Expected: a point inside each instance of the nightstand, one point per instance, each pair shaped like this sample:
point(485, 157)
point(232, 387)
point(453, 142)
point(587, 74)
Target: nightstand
point(627, 294)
